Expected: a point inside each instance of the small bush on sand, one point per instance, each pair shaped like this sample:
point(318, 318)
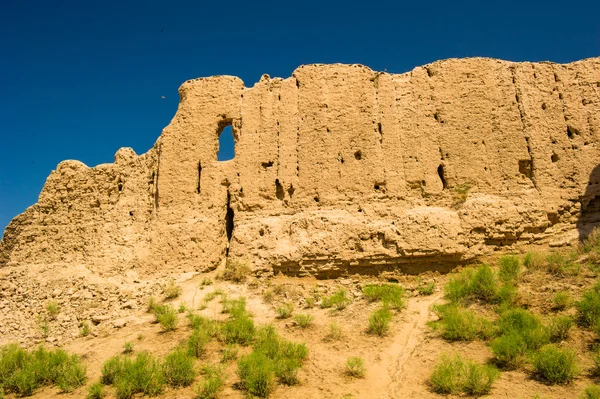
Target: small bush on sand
point(196, 344)
point(559, 327)
point(453, 375)
point(172, 290)
point(166, 316)
point(85, 329)
point(334, 332)
point(236, 271)
point(379, 321)
point(426, 289)
point(471, 284)
point(178, 368)
point(355, 367)
point(561, 265)
point(303, 320)
point(214, 379)
point(129, 376)
point(96, 391)
point(591, 392)
point(525, 324)
point(458, 324)
point(589, 308)
point(562, 300)
point(235, 307)
point(238, 330)
point(510, 269)
point(534, 261)
point(230, 352)
point(53, 308)
point(554, 365)
point(339, 300)
point(510, 350)
point(285, 311)
point(151, 304)
point(389, 294)
point(127, 347)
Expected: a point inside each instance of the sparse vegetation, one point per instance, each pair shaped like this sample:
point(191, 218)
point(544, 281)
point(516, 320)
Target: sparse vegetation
point(510, 269)
point(589, 309)
point(151, 305)
point(214, 379)
point(197, 342)
point(166, 317)
point(559, 327)
point(591, 392)
point(96, 391)
point(285, 311)
point(355, 367)
point(471, 283)
point(339, 300)
point(172, 290)
point(379, 321)
point(534, 261)
point(23, 372)
point(554, 365)
point(426, 289)
point(334, 332)
point(389, 294)
point(127, 347)
point(85, 329)
point(453, 375)
point(236, 271)
point(273, 359)
point(562, 300)
point(129, 376)
point(230, 352)
point(303, 320)
point(238, 329)
point(53, 308)
point(457, 324)
point(178, 368)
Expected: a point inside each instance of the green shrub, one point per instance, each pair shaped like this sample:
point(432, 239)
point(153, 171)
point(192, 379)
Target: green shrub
point(238, 330)
point(525, 324)
point(339, 300)
point(458, 324)
point(334, 332)
point(379, 321)
point(471, 283)
point(236, 271)
point(389, 294)
point(96, 391)
point(559, 327)
point(53, 308)
point(355, 367)
point(562, 300)
point(230, 352)
point(178, 368)
point(453, 375)
point(166, 317)
point(213, 294)
point(561, 265)
point(589, 308)
point(172, 290)
point(426, 289)
point(303, 320)
point(151, 305)
point(196, 344)
point(129, 376)
point(128, 347)
point(510, 269)
point(285, 311)
point(510, 350)
point(480, 379)
point(23, 372)
point(257, 374)
point(554, 365)
point(212, 384)
point(591, 392)
point(235, 307)
point(85, 329)
point(507, 296)
point(459, 287)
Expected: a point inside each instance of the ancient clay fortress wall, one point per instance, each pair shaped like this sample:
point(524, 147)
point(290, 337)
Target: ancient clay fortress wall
point(338, 168)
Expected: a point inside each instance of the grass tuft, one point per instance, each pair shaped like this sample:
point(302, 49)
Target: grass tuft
point(236, 271)
point(129, 376)
point(304, 320)
point(458, 324)
point(96, 391)
point(379, 321)
point(355, 367)
point(166, 316)
point(334, 332)
point(453, 375)
point(339, 300)
point(510, 269)
point(178, 368)
point(285, 311)
point(389, 294)
point(213, 382)
point(172, 290)
point(554, 365)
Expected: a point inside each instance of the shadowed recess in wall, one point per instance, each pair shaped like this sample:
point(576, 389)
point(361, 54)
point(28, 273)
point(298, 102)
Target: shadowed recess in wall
point(226, 145)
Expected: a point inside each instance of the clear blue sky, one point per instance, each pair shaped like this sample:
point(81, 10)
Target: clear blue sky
point(79, 79)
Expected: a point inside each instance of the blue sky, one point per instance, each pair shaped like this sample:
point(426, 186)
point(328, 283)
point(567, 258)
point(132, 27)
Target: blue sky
point(80, 79)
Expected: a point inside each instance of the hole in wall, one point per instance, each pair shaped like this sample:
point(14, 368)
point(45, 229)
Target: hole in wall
point(226, 143)
point(358, 155)
point(544, 106)
point(261, 232)
point(525, 167)
point(267, 164)
point(442, 174)
point(229, 222)
point(279, 193)
point(199, 178)
point(291, 190)
point(554, 157)
point(571, 132)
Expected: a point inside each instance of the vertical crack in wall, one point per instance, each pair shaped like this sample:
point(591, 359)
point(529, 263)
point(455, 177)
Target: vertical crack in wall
point(527, 170)
point(199, 177)
point(229, 215)
point(158, 156)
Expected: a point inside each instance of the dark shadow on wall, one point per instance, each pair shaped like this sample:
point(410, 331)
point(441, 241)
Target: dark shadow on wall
point(590, 205)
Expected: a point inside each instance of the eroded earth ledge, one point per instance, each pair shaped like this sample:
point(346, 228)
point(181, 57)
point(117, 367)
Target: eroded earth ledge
point(338, 168)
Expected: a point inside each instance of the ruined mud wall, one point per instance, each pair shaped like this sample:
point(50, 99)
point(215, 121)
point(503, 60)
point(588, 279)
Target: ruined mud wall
point(338, 168)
